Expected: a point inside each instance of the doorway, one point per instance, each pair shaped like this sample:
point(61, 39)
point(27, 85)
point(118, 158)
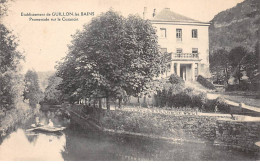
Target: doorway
point(183, 72)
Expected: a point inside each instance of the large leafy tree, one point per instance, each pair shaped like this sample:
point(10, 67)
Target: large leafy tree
point(32, 90)
point(52, 95)
point(9, 61)
point(111, 57)
point(219, 66)
point(236, 58)
point(251, 65)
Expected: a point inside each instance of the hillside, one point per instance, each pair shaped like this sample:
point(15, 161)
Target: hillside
point(236, 26)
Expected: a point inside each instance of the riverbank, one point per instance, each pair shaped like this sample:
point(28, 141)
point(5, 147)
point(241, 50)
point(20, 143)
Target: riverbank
point(177, 125)
point(14, 116)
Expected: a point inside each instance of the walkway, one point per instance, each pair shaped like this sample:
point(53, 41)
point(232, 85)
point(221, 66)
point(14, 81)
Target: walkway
point(211, 94)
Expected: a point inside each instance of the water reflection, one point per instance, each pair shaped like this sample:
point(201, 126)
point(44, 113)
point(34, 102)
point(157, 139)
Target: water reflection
point(22, 146)
point(77, 144)
point(95, 146)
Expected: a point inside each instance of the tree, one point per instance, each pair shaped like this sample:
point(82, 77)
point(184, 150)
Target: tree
point(219, 66)
point(9, 61)
point(52, 95)
point(32, 90)
point(111, 57)
point(236, 57)
point(251, 65)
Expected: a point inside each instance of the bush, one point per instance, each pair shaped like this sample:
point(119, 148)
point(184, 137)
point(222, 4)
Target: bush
point(205, 82)
point(184, 98)
point(175, 79)
point(222, 106)
point(243, 86)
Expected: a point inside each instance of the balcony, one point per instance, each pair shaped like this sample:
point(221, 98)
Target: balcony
point(185, 56)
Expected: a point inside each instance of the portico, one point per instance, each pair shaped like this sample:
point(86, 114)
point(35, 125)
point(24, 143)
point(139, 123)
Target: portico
point(187, 71)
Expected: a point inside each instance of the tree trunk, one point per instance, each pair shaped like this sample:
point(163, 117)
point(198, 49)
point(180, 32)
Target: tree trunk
point(95, 101)
point(239, 78)
point(139, 104)
point(100, 103)
point(145, 104)
point(108, 102)
point(119, 103)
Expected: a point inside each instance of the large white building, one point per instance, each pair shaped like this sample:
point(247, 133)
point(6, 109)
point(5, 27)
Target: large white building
point(185, 40)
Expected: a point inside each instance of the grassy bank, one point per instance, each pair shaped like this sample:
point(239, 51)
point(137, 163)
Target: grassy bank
point(22, 112)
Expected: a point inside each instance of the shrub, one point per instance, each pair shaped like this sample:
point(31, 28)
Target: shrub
point(209, 106)
point(243, 86)
point(175, 79)
point(205, 82)
point(184, 98)
point(222, 106)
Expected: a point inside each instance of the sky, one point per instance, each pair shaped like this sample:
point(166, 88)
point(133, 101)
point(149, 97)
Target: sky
point(43, 43)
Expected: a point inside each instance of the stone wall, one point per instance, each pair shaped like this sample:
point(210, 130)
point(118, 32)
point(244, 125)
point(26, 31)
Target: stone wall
point(240, 134)
point(184, 127)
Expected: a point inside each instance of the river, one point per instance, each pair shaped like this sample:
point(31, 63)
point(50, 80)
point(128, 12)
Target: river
point(75, 144)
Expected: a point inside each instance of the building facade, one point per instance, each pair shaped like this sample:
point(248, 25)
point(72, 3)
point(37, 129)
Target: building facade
point(185, 40)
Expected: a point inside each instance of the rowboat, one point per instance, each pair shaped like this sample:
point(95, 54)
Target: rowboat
point(48, 129)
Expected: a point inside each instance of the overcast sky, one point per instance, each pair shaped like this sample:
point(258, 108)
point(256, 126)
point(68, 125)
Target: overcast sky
point(44, 43)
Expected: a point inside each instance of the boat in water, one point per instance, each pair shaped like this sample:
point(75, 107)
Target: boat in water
point(48, 129)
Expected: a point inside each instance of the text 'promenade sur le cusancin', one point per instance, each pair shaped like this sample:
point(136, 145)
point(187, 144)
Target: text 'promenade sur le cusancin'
point(56, 16)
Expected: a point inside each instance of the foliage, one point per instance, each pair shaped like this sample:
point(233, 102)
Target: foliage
point(32, 90)
point(175, 79)
point(205, 82)
point(216, 105)
point(219, 66)
point(251, 65)
point(52, 95)
point(10, 79)
point(236, 64)
point(111, 57)
point(236, 26)
point(236, 57)
point(174, 94)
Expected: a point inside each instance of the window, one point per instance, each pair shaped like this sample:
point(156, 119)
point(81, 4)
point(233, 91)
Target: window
point(194, 33)
point(163, 32)
point(195, 52)
point(178, 52)
point(179, 34)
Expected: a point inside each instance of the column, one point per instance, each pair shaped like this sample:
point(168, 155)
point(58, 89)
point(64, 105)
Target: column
point(192, 72)
point(178, 69)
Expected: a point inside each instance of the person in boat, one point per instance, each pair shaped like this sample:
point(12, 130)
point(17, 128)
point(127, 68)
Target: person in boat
point(50, 123)
point(37, 121)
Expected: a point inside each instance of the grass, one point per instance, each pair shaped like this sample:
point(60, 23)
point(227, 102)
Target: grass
point(248, 98)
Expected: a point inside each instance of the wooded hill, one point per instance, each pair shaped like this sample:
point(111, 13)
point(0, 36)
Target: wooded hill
point(238, 26)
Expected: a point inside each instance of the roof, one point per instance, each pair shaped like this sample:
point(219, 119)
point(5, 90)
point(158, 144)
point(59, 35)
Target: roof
point(167, 15)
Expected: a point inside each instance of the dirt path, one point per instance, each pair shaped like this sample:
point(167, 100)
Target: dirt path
point(233, 100)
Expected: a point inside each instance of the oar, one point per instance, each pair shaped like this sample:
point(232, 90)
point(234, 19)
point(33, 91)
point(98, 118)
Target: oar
point(28, 130)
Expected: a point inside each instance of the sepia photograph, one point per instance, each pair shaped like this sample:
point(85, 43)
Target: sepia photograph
point(121, 80)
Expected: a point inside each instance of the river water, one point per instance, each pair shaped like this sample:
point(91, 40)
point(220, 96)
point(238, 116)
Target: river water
point(75, 144)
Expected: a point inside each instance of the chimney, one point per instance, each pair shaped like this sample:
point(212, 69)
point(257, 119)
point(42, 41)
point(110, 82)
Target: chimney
point(145, 13)
point(154, 12)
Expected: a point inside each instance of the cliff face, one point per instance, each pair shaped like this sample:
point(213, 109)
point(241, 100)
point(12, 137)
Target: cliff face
point(238, 26)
